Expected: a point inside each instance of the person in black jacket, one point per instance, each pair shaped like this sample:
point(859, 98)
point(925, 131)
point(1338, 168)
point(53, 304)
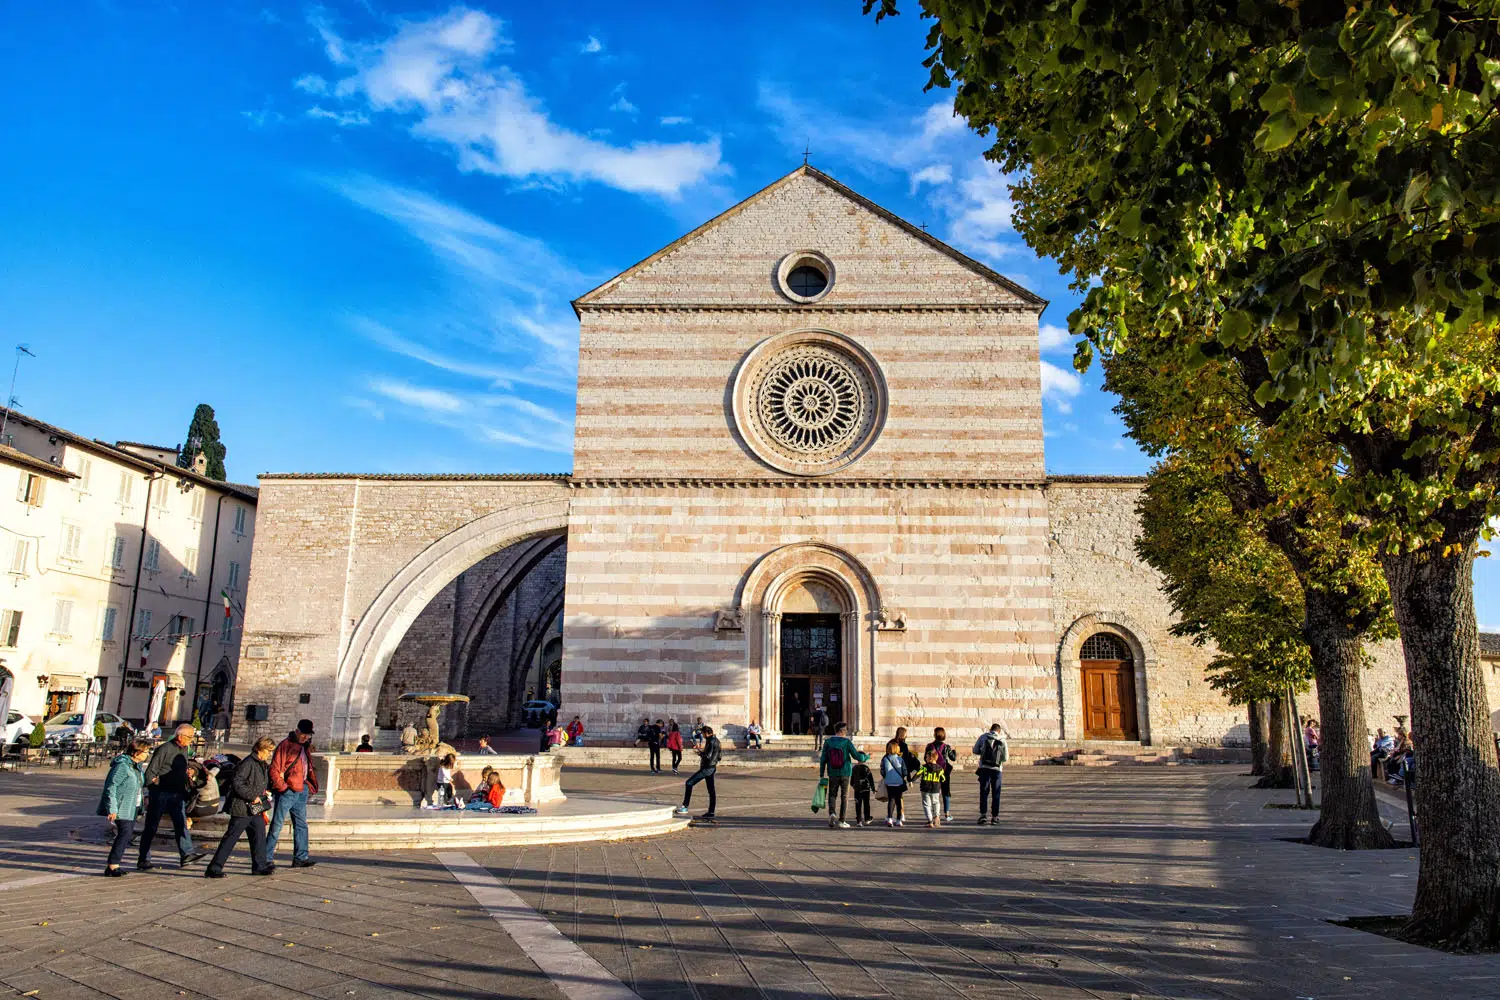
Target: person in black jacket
point(655, 733)
point(248, 799)
point(708, 765)
point(167, 794)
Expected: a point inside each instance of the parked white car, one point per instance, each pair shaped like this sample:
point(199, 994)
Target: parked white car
point(533, 712)
point(17, 727)
point(64, 726)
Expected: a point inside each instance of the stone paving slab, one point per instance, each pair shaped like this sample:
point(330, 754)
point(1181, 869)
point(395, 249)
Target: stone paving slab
point(1172, 883)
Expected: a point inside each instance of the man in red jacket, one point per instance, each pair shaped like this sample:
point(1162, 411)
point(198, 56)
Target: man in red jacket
point(293, 782)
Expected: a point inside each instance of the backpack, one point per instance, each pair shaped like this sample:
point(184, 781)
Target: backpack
point(835, 758)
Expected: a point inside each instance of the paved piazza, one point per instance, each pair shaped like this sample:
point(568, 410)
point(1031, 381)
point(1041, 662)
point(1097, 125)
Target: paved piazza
point(1119, 883)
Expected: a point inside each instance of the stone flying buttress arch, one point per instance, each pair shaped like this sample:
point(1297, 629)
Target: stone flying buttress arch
point(364, 661)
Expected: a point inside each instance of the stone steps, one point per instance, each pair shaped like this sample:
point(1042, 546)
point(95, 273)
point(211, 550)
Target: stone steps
point(1089, 755)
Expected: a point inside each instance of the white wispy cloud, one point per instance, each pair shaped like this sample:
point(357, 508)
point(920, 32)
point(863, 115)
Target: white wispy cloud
point(262, 117)
point(496, 347)
point(311, 83)
point(1051, 337)
point(591, 46)
point(343, 119)
point(676, 120)
point(1060, 386)
point(443, 75)
point(417, 397)
point(622, 103)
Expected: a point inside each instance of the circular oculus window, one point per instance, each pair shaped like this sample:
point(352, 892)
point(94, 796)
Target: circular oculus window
point(804, 276)
point(809, 403)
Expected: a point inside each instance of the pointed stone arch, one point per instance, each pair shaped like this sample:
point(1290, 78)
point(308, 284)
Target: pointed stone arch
point(379, 631)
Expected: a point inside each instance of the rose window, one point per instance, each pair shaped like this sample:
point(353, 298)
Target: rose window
point(810, 406)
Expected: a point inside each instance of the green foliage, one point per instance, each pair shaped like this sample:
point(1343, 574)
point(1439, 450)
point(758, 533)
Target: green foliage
point(99, 733)
point(203, 437)
point(38, 735)
point(1309, 190)
point(1225, 582)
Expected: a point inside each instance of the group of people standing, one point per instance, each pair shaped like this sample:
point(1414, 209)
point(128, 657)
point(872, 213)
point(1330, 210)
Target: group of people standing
point(266, 788)
point(846, 770)
point(668, 734)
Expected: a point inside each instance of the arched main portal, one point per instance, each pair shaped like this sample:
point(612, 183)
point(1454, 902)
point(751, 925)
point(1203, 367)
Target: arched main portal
point(814, 607)
point(363, 665)
point(1103, 669)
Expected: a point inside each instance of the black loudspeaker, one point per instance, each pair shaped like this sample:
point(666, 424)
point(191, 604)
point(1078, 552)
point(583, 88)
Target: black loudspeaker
point(257, 713)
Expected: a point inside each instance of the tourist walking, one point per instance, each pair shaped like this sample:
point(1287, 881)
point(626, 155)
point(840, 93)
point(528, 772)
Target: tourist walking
point(655, 733)
point(293, 781)
point(913, 762)
point(993, 752)
point(946, 755)
point(708, 765)
point(166, 794)
point(121, 801)
point(837, 761)
point(819, 722)
point(248, 799)
point(894, 776)
point(674, 745)
point(862, 783)
point(221, 726)
point(932, 777)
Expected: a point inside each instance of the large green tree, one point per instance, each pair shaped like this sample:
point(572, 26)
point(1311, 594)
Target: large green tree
point(203, 439)
point(1311, 190)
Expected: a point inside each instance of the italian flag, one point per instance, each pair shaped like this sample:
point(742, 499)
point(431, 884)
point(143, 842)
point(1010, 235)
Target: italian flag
point(228, 610)
point(145, 653)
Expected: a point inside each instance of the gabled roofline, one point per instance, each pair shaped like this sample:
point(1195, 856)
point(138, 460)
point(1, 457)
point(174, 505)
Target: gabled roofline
point(1027, 296)
point(107, 450)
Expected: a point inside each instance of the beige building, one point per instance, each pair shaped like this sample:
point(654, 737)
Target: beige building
point(808, 467)
point(116, 562)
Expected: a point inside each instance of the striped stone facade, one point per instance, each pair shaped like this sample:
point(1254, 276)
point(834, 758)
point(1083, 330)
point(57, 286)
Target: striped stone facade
point(960, 581)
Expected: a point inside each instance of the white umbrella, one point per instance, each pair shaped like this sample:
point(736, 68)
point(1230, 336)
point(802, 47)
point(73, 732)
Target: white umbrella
point(7, 688)
point(158, 695)
point(90, 710)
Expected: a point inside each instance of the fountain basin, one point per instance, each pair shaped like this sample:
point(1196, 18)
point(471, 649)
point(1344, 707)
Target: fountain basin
point(402, 779)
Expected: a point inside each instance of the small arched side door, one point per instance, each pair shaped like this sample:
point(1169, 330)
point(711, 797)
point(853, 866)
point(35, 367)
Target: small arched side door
point(1108, 689)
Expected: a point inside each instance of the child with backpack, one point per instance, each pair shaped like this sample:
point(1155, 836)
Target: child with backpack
point(862, 781)
point(893, 775)
point(932, 776)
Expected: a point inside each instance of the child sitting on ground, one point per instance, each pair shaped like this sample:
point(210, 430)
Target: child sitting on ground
point(490, 792)
point(931, 776)
point(862, 780)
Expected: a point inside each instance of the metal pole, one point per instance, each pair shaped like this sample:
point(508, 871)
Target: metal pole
point(10, 399)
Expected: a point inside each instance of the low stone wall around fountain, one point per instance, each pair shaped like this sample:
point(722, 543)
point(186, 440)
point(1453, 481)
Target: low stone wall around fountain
point(405, 779)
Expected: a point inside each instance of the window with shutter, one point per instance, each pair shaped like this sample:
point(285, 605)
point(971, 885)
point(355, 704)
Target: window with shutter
point(31, 490)
point(226, 630)
point(18, 557)
point(239, 520)
point(234, 575)
point(153, 556)
point(72, 541)
point(84, 467)
point(127, 488)
point(117, 553)
point(197, 508)
point(190, 564)
point(10, 628)
point(62, 617)
point(107, 623)
point(143, 624)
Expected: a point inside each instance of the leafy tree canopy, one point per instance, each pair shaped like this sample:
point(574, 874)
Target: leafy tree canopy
point(203, 438)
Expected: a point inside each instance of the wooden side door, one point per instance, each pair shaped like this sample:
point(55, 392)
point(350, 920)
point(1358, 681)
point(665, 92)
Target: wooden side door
point(1109, 700)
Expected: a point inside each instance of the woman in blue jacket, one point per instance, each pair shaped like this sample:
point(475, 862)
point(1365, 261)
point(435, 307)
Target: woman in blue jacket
point(121, 801)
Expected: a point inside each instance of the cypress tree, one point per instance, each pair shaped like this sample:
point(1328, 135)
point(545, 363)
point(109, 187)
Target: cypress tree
point(203, 437)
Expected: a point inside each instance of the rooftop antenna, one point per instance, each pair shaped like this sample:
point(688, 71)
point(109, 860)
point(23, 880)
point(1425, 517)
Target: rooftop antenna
point(806, 152)
point(10, 400)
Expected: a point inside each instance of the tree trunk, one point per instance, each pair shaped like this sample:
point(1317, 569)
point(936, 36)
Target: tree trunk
point(1457, 784)
point(1279, 757)
point(1349, 818)
point(1260, 738)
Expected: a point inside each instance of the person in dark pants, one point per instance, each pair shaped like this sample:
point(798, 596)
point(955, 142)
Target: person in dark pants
point(946, 755)
point(993, 752)
point(674, 744)
point(654, 735)
point(166, 793)
point(837, 762)
point(121, 801)
point(708, 765)
point(818, 722)
point(249, 798)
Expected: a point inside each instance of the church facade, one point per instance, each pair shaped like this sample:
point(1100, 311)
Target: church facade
point(808, 468)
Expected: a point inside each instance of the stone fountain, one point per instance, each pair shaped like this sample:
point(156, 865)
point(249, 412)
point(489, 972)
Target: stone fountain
point(428, 742)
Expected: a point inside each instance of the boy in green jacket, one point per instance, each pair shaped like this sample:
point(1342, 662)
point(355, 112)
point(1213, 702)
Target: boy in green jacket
point(837, 761)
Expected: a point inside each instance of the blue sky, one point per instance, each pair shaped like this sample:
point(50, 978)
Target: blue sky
point(355, 229)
